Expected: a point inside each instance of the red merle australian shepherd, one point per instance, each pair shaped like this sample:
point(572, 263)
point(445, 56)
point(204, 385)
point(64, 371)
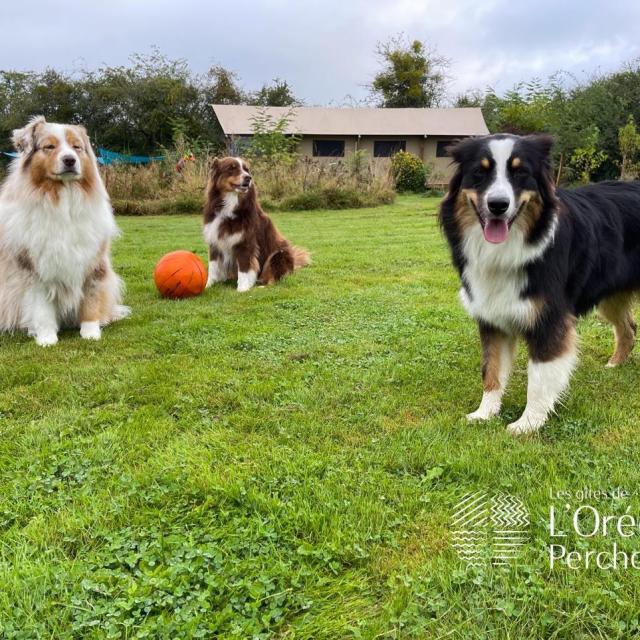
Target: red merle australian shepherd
point(532, 258)
point(243, 242)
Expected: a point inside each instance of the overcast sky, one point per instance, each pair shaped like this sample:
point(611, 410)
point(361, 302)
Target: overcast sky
point(325, 48)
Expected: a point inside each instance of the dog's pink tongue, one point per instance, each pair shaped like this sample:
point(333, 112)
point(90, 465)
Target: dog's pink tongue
point(495, 230)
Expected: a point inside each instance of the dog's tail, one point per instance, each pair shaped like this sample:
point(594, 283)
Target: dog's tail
point(301, 257)
point(277, 265)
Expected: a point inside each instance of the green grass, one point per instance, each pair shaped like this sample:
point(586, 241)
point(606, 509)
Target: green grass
point(283, 463)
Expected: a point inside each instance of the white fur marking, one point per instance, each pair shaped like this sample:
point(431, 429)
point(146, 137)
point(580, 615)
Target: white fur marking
point(90, 330)
point(501, 188)
point(211, 230)
point(222, 269)
point(489, 406)
point(496, 277)
point(215, 273)
point(246, 280)
point(39, 315)
point(46, 338)
point(547, 382)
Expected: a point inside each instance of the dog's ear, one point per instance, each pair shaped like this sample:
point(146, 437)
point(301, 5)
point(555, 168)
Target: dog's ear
point(24, 140)
point(214, 165)
point(86, 141)
point(463, 149)
point(542, 143)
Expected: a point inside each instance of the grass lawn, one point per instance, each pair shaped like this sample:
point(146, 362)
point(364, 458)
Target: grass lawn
point(284, 463)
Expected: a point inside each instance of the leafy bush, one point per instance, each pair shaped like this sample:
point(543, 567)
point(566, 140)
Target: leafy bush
point(270, 140)
point(409, 172)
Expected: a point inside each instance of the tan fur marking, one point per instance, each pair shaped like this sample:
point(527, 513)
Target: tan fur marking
point(41, 171)
point(617, 310)
point(571, 337)
point(515, 163)
point(491, 363)
point(495, 346)
point(531, 211)
point(95, 303)
point(485, 163)
point(464, 212)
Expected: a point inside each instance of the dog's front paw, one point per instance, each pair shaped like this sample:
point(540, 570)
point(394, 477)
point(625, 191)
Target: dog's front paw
point(481, 415)
point(246, 280)
point(46, 338)
point(90, 331)
point(243, 287)
point(525, 424)
point(489, 406)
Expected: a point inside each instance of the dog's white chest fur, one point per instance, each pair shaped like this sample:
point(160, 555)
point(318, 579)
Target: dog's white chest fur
point(211, 230)
point(62, 239)
point(495, 298)
point(495, 278)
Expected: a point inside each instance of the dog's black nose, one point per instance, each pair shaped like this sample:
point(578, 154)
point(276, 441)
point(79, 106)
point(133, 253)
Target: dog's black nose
point(246, 181)
point(498, 206)
point(69, 162)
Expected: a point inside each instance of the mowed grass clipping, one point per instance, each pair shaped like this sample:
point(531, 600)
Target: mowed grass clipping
point(283, 463)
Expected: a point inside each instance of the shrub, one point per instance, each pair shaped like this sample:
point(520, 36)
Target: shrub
point(180, 205)
point(305, 201)
point(409, 172)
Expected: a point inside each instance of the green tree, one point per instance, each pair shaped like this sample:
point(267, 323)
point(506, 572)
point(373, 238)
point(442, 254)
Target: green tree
point(276, 94)
point(587, 158)
point(25, 94)
point(473, 98)
point(138, 107)
point(629, 143)
point(412, 75)
point(221, 86)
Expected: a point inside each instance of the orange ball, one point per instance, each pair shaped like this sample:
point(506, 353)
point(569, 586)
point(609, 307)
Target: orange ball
point(180, 274)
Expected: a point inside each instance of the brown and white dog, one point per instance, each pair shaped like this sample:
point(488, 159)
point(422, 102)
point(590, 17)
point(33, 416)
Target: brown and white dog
point(56, 225)
point(243, 241)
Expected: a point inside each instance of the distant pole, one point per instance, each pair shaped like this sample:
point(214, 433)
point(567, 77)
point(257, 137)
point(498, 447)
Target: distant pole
point(559, 170)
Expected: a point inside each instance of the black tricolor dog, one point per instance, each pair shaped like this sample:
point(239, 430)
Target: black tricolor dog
point(532, 258)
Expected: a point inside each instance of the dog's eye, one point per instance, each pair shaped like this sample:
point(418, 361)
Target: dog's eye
point(479, 173)
point(519, 171)
point(77, 147)
point(49, 147)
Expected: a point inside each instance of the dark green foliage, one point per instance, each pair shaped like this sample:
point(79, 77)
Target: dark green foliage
point(276, 94)
point(409, 172)
point(572, 112)
point(136, 108)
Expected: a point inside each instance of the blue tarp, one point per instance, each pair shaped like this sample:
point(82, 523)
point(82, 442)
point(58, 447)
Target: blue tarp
point(111, 157)
point(107, 157)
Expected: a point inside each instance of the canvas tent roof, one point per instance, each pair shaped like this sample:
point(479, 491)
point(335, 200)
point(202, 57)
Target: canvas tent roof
point(237, 120)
